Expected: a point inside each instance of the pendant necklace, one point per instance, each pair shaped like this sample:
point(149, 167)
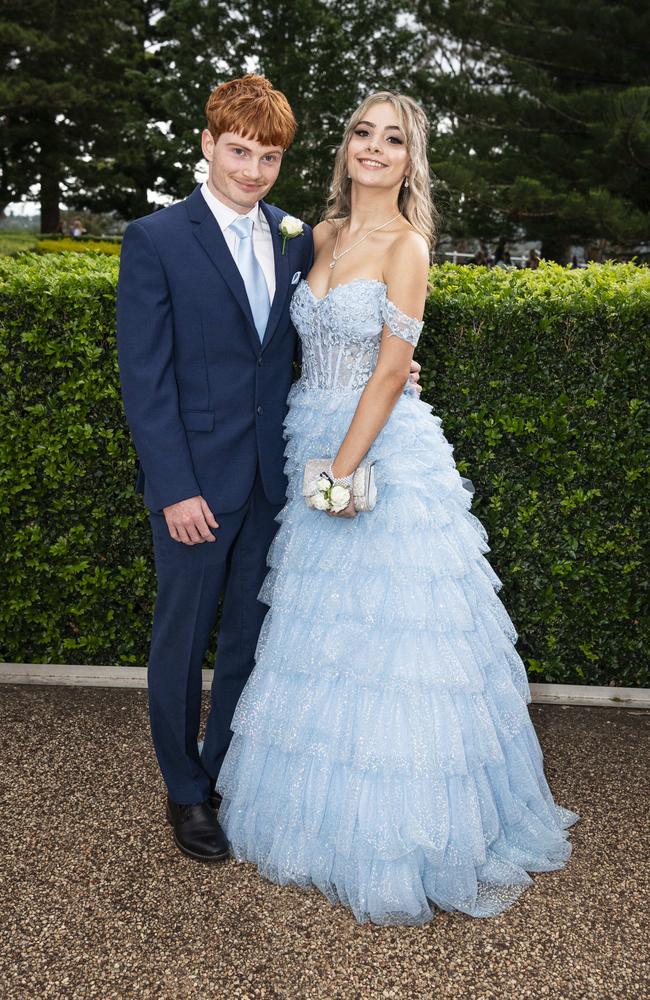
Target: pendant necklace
point(336, 257)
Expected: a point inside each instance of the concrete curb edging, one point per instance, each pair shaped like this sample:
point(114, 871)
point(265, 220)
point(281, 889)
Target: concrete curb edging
point(136, 677)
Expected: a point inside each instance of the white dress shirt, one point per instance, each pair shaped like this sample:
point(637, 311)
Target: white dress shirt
point(262, 241)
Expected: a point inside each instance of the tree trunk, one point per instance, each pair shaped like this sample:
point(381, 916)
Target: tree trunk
point(50, 192)
point(140, 205)
point(555, 247)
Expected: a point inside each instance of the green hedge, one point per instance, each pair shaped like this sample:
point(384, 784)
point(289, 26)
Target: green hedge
point(541, 380)
point(84, 238)
point(73, 245)
point(538, 376)
point(77, 581)
point(15, 242)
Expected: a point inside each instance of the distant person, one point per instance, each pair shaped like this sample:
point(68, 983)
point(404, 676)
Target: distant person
point(533, 259)
point(503, 260)
point(499, 252)
point(76, 229)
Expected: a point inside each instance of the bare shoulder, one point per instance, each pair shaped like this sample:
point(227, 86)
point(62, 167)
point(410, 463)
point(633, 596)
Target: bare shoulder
point(412, 246)
point(322, 232)
point(409, 252)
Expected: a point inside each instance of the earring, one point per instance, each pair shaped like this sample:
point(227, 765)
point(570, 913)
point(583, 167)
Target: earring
point(406, 182)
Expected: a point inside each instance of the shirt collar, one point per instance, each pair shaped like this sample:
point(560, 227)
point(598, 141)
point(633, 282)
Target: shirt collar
point(225, 215)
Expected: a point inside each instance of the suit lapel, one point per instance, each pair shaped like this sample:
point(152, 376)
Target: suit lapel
point(211, 238)
point(281, 261)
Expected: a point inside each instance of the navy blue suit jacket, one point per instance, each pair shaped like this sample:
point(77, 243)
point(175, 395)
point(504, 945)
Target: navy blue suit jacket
point(205, 401)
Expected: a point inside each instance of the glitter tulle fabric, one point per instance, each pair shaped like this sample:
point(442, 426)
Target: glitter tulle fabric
point(382, 749)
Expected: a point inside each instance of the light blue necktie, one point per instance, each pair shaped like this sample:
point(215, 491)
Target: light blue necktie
point(251, 271)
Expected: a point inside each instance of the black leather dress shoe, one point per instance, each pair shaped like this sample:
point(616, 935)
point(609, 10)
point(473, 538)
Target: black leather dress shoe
point(197, 832)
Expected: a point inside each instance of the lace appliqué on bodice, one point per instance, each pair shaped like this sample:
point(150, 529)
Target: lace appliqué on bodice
point(341, 332)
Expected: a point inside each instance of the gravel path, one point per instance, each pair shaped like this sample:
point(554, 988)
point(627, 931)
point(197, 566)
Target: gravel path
point(96, 902)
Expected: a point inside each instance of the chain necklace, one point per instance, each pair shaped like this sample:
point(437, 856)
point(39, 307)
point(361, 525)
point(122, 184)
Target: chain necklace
point(336, 258)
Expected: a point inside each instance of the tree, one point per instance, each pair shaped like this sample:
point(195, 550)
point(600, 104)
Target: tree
point(547, 117)
point(174, 61)
point(310, 50)
point(96, 100)
point(325, 56)
point(62, 63)
point(108, 101)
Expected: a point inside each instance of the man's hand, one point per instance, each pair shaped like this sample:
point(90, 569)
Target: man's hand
point(189, 521)
point(414, 377)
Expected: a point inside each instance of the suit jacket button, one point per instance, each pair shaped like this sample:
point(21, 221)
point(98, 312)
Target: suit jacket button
point(260, 362)
point(260, 410)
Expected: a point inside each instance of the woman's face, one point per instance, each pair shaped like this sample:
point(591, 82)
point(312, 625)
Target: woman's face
point(377, 153)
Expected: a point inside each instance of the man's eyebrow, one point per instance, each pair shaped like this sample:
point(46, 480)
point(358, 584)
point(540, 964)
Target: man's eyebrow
point(244, 145)
point(372, 125)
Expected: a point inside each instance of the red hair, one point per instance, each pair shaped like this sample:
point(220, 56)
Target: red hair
point(250, 106)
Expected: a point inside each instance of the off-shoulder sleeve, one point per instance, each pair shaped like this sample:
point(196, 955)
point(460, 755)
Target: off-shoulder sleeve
point(401, 325)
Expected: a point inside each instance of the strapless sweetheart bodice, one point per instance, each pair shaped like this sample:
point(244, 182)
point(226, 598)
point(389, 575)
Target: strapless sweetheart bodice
point(341, 332)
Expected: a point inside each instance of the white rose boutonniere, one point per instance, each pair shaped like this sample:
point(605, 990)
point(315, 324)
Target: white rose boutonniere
point(289, 228)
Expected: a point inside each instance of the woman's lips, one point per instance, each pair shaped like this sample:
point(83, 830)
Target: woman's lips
point(371, 164)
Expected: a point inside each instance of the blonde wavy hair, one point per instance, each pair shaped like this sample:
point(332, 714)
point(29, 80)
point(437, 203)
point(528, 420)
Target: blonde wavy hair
point(415, 201)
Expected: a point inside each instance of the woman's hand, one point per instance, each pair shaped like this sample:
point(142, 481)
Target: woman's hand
point(346, 482)
point(349, 511)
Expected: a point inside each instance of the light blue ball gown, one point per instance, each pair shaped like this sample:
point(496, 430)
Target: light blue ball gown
point(382, 749)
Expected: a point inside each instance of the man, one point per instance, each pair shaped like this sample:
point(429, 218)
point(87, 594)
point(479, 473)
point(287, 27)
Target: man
point(206, 350)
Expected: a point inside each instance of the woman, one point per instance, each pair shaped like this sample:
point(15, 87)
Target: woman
point(382, 747)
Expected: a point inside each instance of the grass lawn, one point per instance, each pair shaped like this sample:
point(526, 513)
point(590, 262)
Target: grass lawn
point(10, 242)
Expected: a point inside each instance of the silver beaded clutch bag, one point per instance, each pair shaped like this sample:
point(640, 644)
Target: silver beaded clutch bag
point(364, 487)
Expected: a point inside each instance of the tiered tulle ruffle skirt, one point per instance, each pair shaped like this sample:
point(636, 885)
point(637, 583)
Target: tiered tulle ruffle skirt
point(382, 749)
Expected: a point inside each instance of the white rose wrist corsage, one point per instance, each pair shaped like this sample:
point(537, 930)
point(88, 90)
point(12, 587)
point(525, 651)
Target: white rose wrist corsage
point(332, 493)
point(323, 491)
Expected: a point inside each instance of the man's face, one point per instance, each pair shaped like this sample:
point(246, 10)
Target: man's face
point(240, 171)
